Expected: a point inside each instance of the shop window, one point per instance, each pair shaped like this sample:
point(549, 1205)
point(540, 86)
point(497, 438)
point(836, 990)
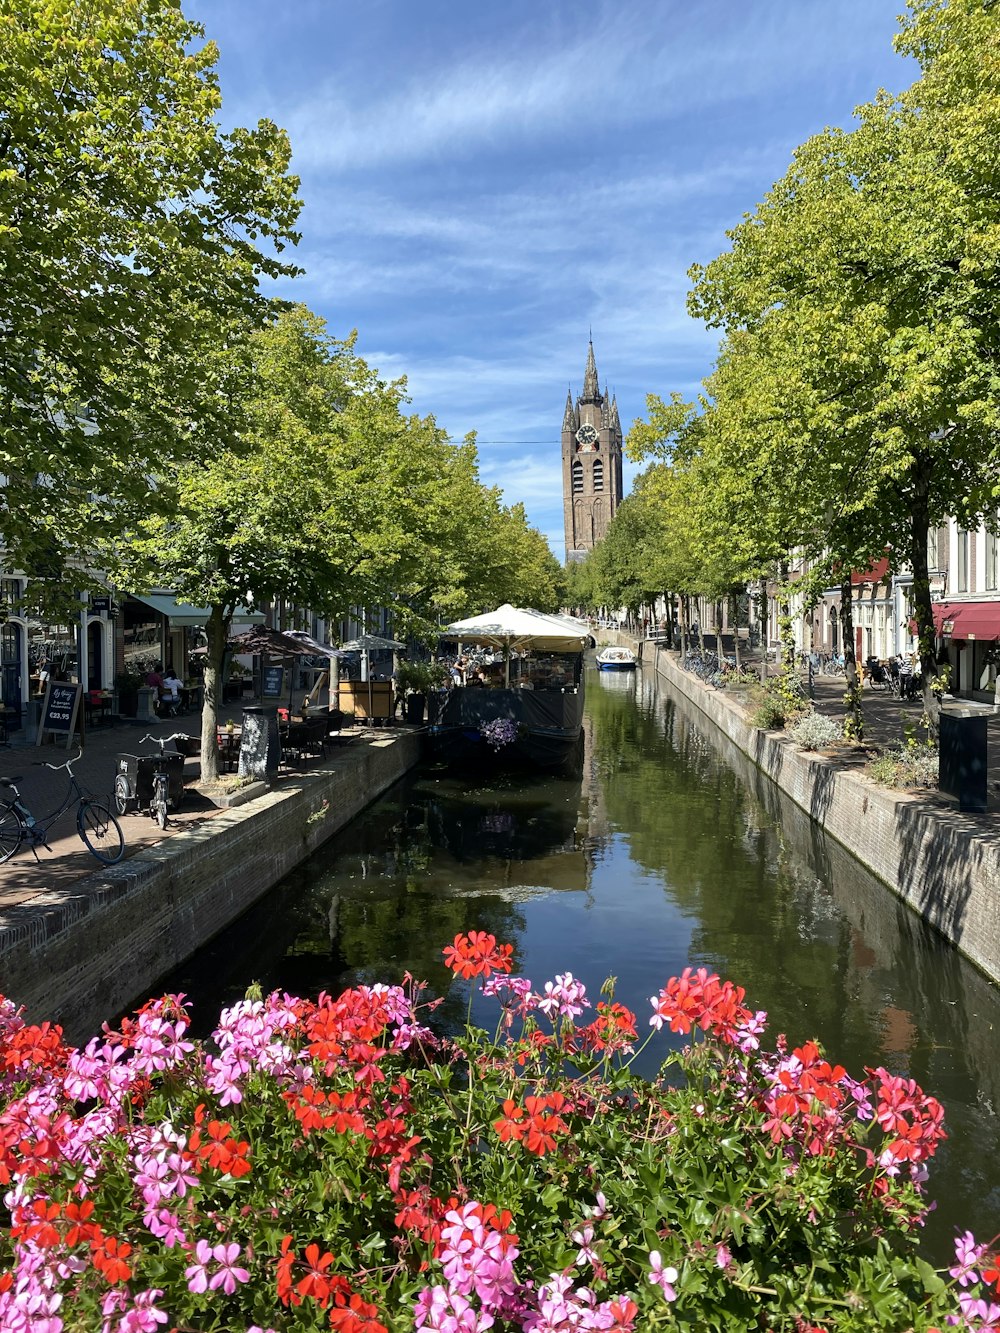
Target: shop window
point(10, 594)
point(577, 478)
point(598, 475)
point(992, 543)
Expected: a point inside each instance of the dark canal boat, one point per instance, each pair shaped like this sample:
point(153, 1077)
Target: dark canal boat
point(528, 708)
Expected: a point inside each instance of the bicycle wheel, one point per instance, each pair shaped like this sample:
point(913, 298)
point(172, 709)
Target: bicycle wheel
point(158, 805)
point(100, 831)
point(11, 832)
point(123, 794)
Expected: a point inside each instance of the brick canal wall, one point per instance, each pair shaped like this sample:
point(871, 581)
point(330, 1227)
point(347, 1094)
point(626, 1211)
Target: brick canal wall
point(944, 864)
point(83, 954)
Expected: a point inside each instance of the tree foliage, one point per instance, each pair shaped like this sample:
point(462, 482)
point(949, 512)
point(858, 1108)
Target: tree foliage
point(133, 232)
point(854, 402)
point(328, 496)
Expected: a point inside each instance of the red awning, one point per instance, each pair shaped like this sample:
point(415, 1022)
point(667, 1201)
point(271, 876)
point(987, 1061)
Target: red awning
point(968, 620)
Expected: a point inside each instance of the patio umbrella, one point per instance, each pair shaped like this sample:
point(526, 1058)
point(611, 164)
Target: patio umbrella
point(263, 639)
point(320, 650)
point(370, 643)
point(314, 645)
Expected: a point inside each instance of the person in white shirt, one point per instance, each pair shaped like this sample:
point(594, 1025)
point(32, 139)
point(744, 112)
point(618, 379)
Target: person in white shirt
point(171, 691)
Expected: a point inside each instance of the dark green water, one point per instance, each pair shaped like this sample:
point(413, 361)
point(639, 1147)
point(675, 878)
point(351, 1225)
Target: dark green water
point(669, 848)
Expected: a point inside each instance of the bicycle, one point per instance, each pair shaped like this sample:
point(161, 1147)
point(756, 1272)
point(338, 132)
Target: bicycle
point(160, 778)
point(96, 824)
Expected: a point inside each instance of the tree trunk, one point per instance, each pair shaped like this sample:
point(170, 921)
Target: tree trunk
point(854, 723)
point(785, 623)
point(762, 617)
point(684, 627)
point(736, 630)
point(931, 679)
point(217, 631)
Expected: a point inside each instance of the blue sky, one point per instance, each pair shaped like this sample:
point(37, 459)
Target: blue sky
point(485, 184)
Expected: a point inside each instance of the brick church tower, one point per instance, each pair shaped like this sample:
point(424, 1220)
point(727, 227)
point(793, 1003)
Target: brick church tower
point(591, 464)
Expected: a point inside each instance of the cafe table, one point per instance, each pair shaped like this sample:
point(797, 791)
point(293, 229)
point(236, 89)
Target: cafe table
point(97, 707)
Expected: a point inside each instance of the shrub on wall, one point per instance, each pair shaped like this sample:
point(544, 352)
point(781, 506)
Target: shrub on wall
point(813, 731)
point(908, 764)
point(336, 1163)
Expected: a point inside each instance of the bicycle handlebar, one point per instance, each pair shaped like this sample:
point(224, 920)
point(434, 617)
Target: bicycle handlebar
point(68, 764)
point(161, 741)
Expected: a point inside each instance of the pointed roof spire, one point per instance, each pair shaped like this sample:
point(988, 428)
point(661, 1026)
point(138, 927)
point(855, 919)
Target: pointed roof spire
point(615, 419)
point(591, 390)
point(568, 414)
point(605, 406)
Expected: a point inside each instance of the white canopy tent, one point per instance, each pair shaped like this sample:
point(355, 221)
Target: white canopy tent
point(514, 628)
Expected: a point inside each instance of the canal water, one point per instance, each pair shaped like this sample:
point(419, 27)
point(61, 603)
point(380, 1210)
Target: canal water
point(667, 848)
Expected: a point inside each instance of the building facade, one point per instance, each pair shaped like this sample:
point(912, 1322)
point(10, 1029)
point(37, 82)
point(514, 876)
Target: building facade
point(591, 464)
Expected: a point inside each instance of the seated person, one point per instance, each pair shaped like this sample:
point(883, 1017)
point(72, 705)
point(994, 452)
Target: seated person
point(478, 678)
point(153, 678)
point(170, 690)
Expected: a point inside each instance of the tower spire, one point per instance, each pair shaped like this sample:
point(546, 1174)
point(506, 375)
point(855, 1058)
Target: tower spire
point(591, 390)
point(568, 414)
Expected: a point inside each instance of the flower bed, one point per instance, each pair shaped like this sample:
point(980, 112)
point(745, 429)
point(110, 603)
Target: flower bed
point(337, 1164)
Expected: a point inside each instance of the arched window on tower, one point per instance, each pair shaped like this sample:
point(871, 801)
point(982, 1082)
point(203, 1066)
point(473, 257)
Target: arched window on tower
point(577, 477)
point(598, 475)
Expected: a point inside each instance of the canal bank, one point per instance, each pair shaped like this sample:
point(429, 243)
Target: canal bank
point(80, 953)
point(943, 864)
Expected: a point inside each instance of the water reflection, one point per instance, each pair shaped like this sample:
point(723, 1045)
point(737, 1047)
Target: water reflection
point(667, 847)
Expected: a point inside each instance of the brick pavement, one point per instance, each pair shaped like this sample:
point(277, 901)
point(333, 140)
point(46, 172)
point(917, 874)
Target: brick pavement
point(22, 878)
point(887, 719)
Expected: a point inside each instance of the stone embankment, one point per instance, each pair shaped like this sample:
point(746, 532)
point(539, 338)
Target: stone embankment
point(944, 864)
point(82, 953)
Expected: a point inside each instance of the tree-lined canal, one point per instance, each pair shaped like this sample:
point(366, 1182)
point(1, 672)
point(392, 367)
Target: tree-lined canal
point(669, 848)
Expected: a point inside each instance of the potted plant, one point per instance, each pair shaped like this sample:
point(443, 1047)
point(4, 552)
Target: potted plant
point(413, 680)
point(127, 685)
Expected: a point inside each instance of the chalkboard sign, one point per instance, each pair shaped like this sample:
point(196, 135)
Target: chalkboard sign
point(259, 744)
point(274, 682)
point(60, 711)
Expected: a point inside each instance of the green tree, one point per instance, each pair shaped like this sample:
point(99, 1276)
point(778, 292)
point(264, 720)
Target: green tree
point(328, 496)
point(131, 230)
point(872, 264)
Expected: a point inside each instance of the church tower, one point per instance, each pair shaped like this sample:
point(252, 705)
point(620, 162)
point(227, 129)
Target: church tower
point(591, 464)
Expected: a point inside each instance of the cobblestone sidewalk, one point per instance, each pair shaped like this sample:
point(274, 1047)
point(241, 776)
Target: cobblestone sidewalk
point(22, 877)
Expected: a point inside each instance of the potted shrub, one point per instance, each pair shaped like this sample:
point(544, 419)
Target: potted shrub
point(127, 685)
point(413, 680)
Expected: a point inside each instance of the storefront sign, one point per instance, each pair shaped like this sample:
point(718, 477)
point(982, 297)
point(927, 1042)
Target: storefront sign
point(60, 711)
point(107, 604)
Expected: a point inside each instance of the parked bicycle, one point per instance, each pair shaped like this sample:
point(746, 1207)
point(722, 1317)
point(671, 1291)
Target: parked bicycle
point(126, 794)
point(96, 824)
